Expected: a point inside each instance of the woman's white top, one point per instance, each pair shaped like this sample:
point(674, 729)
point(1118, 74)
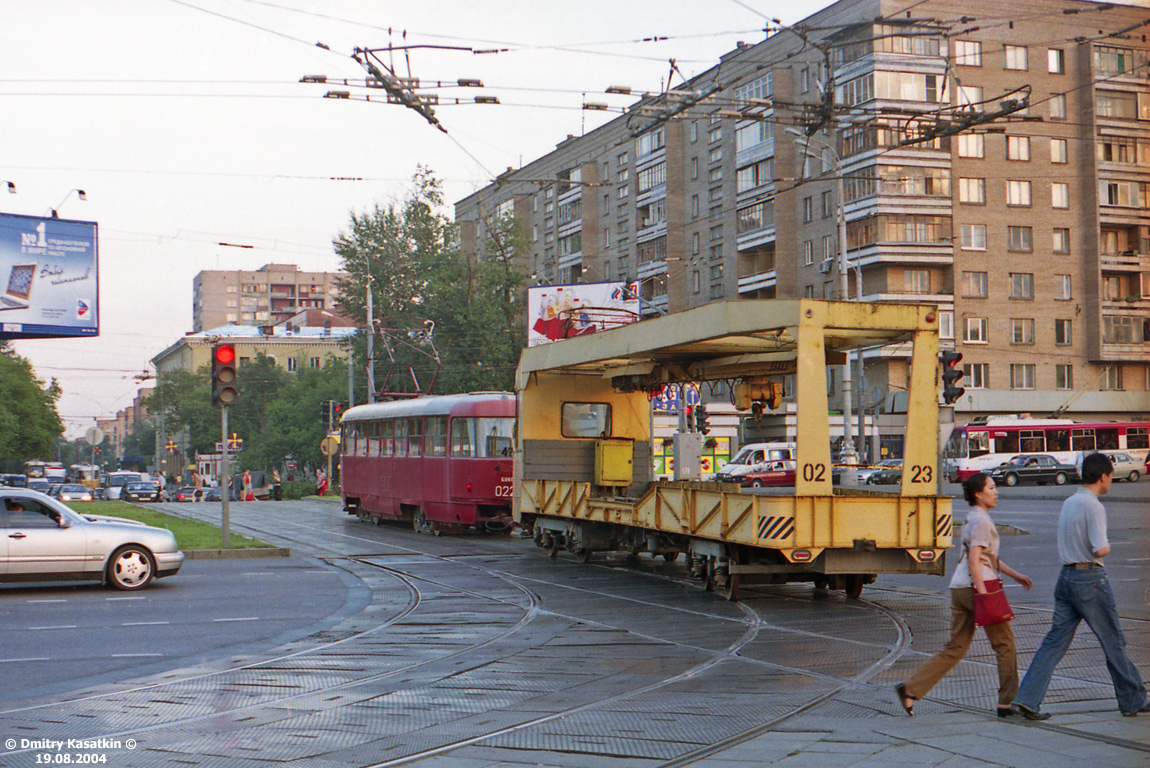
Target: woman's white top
point(978, 531)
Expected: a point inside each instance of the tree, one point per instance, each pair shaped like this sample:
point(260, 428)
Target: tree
point(427, 295)
point(295, 425)
point(29, 422)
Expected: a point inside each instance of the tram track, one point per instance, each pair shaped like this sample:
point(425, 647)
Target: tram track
point(532, 602)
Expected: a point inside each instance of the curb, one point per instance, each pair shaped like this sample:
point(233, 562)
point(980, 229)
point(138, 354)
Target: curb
point(236, 554)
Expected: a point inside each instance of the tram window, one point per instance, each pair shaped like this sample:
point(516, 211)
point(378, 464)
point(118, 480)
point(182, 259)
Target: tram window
point(1107, 438)
point(979, 443)
point(586, 420)
point(387, 438)
point(1058, 440)
point(463, 437)
point(400, 437)
point(488, 437)
point(414, 437)
point(435, 437)
point(1033, 441)
point(1138, 437)
point(956, 445)
point(1006, 442)
point(1082, 440)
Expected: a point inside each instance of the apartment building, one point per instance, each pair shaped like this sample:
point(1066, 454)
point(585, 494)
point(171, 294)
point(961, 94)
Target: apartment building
point(266, 296)
point(990, 159)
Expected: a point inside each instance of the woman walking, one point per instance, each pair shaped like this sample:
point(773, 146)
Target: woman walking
point(980, 563)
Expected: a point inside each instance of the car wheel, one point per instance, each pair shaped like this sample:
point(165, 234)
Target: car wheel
point(1133, 476)
point(131, 567)
point(1011, 479)
point(756, 483)
point(1060, 478)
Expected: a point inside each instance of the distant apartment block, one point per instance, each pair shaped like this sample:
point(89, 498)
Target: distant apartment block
point(994, 161)
point(268, 296)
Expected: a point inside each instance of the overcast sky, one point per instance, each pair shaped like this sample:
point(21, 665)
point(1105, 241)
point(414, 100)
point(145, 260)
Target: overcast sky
point(185, 123)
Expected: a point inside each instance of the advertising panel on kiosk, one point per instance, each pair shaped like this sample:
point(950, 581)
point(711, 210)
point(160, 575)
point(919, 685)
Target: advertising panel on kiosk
point(49, 284)
point(562, 311)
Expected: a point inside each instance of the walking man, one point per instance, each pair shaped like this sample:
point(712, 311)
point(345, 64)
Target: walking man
point(1083, 592)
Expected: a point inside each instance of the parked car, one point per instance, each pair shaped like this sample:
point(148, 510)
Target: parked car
point(47, 540)
point(39, 485)
point(215, 494)
point(1034, 468)
point(866, 473)
point(1126, 467)
point(73, 492)
point(185, 494)
point(769, 474)
point(139, 492)
point(889, 475)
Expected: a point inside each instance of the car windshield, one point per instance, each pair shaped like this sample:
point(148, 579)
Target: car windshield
point(140, 487)
point(73, 489)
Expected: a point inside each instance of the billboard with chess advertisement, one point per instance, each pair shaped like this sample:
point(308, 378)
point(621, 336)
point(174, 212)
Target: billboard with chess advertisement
point(557, 312)
point(49, 280)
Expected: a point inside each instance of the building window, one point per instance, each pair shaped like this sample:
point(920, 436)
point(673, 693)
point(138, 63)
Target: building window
point(1020, 239)
point(1058, 151)
point(1056, 61)
point(1062, 287)
point(694, 131)
point(1061, 242)
point(1059, 195)
point(1062, 332)
point(1112, 377)
point(977, 330)
point(974, 285)
point(1018, 193)
point(695, 243)
point(1063, 376)
point(972, 191)
point(804, 80)
point(755, 175)
point(1022, 376)
point(694, 167)
point(715, 174)
point(916, 281)
point(828, 247)
point(314, 362)
point(1111, 60)
point(1121, 329)
point(696, 282)
point(694, 206)
point(973, 237)
point(968, 53)
point(808, 252)
point(291, 364)
point(1021, 285)
point(977, 375)
point(716, 155)
point(1014, 57)
point(808, 210)
point(971, 145)
point(1017, 147)
point(1058, 106)
point(946, 325)
point(969, 96)
point(1022, 330)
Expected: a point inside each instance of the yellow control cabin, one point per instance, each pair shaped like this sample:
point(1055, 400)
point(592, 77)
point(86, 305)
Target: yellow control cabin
point(583, 463)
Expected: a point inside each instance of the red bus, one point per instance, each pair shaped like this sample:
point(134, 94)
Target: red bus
point(980, 447)
point(442, 462)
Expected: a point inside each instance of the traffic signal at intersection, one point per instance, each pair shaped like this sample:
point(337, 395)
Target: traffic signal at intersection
point(951, 373)
point(225, 389)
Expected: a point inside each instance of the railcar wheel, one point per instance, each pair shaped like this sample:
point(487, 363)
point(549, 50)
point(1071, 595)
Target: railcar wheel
point(854, 587)
point(419, 522)
point(733, 580)
point(1060, 478)
point(821, 582)
point(131, 567)
point(583, 556)
point(553, 548)
point(1011, 479)
point(671, 556)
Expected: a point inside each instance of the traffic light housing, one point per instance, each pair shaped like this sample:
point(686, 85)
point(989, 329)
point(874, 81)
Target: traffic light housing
point(225, 390)
point(951, 373)
point(690, 411)
point(703, 419)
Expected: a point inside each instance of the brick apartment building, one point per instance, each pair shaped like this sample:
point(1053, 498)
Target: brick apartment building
point(1030, 231)
point(267, 296)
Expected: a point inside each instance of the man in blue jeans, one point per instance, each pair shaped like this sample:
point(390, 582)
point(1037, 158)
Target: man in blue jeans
point(1082, 592)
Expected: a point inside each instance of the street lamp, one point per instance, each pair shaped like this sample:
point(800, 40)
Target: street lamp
point(79, 193)
point(849, 454)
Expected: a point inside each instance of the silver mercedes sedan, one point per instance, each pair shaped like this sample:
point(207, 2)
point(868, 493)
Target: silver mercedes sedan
point(42, 539)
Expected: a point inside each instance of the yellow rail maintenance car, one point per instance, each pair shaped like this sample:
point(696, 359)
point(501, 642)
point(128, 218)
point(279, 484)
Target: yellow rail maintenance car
point(583, 465)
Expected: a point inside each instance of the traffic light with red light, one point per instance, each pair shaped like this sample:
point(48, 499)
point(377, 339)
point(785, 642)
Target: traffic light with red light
point(224, 385)
point(950, 376)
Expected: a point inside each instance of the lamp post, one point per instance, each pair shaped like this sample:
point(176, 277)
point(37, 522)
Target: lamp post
point(849, 454)
point(79, 193)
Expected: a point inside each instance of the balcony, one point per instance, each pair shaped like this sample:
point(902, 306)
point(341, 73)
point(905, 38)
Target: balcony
point(1125, 261)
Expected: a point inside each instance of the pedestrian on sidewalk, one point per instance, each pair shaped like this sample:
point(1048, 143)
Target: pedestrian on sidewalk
point(320, 483)
point(198, 486)
point(277, 486)
point(249, 494)
point(979, 564)
point(1083, 592)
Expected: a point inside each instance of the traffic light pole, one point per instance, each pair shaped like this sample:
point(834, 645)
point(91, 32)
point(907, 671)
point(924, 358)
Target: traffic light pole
point(330, 427)
point(225, 477)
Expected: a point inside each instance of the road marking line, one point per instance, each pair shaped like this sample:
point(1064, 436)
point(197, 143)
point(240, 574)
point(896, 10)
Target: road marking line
point(31, 658)
point(133, 655)
point(244, 618)
point(143, 623)
point(141, 597)
point(60, 626)
point(55, 600)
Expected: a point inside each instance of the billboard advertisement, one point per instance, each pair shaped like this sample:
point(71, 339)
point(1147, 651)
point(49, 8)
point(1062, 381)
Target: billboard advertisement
point(49, 284)
point(562, 311)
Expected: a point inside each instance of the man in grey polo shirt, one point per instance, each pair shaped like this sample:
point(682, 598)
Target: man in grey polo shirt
point(1082, 592)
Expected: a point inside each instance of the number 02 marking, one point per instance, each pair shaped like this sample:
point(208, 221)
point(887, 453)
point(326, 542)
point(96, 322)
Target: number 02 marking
point(814, 473)
point(921, 474)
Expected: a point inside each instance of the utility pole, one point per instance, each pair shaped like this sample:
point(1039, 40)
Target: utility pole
point(370, 345)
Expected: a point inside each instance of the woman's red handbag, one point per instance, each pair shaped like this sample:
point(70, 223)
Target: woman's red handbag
point(991, 608)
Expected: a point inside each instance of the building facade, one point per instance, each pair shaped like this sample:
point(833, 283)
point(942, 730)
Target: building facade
point(996, 167)
point(291, 347)
point(266, 296)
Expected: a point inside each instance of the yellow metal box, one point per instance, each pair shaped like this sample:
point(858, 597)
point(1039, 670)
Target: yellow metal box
point(613, 462)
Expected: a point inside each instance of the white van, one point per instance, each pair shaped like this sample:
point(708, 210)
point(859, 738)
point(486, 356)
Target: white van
point(751, 457)
point(115, 482)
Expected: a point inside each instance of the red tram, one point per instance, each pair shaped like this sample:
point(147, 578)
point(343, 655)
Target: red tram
point(442, 462)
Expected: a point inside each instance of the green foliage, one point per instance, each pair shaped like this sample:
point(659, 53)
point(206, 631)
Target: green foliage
point(190, 534)
point(295, 420)
point(29, 422)
point(297, 489)
point(430, 298)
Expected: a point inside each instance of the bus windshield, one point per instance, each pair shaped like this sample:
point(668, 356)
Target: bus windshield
point(484, 437)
